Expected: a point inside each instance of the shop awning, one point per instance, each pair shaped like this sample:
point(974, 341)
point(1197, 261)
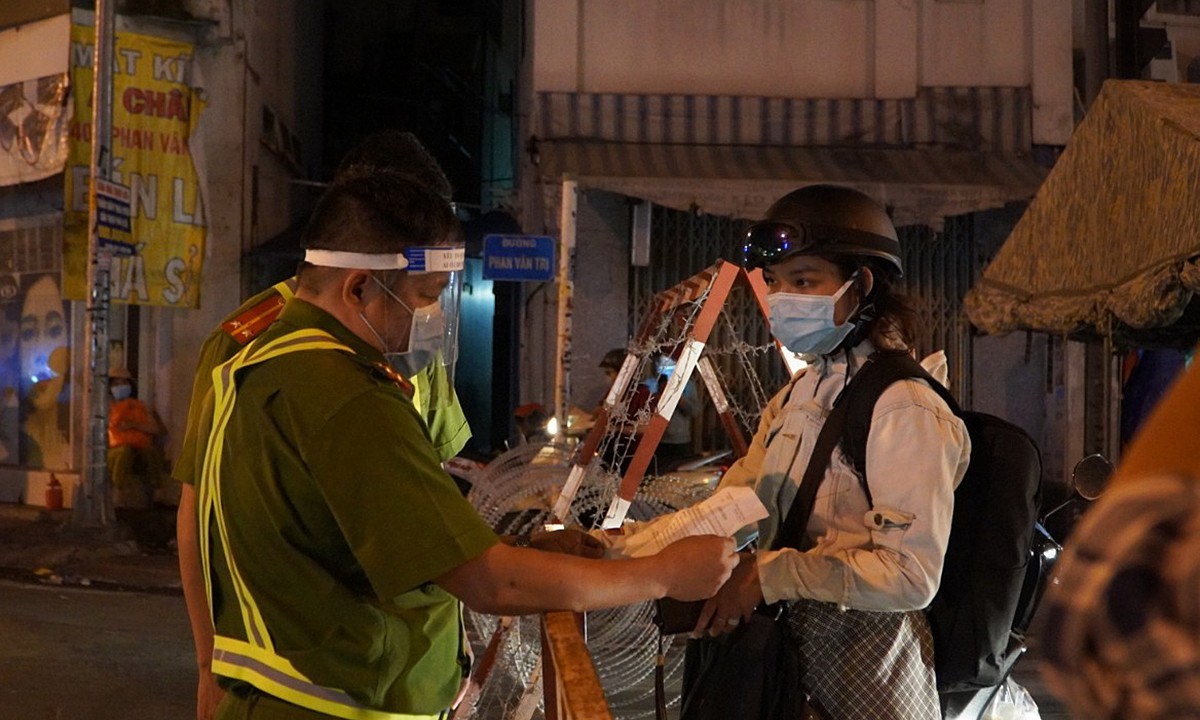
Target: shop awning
point(920, 186)
point(1111, 241)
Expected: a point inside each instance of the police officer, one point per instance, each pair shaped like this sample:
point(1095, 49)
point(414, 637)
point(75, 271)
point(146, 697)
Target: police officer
point(434, 394)
point(334, 548)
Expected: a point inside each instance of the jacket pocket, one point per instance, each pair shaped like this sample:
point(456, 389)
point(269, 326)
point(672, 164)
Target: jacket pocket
point(888, 526)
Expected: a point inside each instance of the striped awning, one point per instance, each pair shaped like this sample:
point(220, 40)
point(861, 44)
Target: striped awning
point(1111, 242)
point(919, 186)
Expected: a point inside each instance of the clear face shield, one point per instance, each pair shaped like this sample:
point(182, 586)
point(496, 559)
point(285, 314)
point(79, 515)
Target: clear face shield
point(433, 335)
point(440, 334)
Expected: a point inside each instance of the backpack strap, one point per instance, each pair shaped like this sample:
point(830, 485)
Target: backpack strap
point(876, 375)
point(791, 533)
point(849, 421)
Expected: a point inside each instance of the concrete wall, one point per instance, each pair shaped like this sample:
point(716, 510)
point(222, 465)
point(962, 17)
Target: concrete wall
point(1011, 380)
point(774, 48)
point(808, 49)
point(171, 338)
point(35, 50)
point(252, 56)
point(601, 309)
point(602, 280)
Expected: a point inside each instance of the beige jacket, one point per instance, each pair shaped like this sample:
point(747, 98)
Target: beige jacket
point(886, 557)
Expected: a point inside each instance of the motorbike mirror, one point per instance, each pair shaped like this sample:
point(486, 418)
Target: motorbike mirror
point(1090, 476)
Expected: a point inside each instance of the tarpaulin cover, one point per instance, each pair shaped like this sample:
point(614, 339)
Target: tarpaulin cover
point(1112, 239)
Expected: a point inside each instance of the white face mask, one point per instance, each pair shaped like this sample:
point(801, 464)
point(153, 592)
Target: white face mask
point(804, 323)
point(426, 332)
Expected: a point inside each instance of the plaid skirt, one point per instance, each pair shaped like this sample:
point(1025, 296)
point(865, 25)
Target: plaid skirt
point(861, 665)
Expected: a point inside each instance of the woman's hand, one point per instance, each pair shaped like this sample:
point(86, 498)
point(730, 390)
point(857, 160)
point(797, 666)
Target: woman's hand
point(734, 602)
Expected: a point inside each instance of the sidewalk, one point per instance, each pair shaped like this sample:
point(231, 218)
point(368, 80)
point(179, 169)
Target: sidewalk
point(135, 554)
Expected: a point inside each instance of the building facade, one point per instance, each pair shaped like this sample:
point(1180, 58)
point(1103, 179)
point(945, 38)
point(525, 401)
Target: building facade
point(243, 77)
point(948, 113)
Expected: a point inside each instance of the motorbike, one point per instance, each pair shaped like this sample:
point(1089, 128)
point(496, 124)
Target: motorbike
point(1088, 480)
point(704, 470)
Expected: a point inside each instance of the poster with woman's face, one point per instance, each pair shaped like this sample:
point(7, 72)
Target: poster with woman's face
point(44, 357)
point(35, 339)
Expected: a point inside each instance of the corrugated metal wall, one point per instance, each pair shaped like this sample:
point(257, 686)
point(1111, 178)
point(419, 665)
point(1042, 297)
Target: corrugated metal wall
point(974, 118)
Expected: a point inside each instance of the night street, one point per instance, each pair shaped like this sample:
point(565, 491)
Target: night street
point(70, 654)
point(340, 338)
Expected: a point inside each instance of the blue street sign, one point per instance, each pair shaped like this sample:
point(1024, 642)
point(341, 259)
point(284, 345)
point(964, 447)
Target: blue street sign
point(518, 257)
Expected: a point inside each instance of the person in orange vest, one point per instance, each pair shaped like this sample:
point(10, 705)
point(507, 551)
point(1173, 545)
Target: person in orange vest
point(135, 460)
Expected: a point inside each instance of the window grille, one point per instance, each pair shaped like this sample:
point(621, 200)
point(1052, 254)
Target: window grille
point(681, 245)
point(939, 268)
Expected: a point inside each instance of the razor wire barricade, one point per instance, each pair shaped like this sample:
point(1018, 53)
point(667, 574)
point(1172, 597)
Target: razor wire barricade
point(700, 325)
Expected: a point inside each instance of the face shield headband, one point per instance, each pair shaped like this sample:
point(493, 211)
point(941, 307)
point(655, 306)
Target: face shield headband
point(770, 242)
point(441, 259)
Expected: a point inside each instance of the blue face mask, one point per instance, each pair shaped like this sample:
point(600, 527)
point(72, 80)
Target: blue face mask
point(121, 392)
point(804, 323)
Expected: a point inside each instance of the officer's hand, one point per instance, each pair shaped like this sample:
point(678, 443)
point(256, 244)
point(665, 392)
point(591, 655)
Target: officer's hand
point(568, 542)
point(208, 695)
point(696, 567)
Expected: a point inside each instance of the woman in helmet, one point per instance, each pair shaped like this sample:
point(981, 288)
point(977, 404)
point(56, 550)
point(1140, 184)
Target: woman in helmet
point(829, 256)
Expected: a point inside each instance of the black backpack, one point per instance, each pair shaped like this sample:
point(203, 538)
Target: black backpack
point(979, 601)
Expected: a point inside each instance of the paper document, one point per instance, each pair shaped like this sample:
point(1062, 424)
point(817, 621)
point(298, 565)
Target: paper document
point(724, 513)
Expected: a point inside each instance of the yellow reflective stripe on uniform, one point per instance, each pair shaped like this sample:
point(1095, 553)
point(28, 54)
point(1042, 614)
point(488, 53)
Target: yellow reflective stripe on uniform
point(204, 495)
point(287, 288)
point(255, 660)
point(276, 676)
point(250, 619)
point(225, 391)
point(210, 487)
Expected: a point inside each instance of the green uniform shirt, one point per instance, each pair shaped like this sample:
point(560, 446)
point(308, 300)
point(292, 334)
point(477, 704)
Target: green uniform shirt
point(435, 398)
point(339, 518)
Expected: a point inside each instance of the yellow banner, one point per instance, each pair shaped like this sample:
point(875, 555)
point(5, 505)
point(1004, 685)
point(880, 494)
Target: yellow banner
point(155, 111)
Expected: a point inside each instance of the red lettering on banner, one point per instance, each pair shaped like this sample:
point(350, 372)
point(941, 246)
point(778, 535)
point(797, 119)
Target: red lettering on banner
point(169, 105)
point(81, 132)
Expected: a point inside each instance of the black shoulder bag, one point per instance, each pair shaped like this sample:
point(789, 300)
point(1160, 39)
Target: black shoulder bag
point(753, 672)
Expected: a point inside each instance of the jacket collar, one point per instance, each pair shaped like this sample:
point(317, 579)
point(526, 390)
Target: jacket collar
point(299, 313)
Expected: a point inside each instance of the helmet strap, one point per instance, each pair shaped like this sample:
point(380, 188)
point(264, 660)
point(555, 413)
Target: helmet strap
point(863, 317)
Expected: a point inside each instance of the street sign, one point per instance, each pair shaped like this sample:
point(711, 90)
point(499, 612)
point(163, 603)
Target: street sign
point(113, 228)
point(518, 257)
